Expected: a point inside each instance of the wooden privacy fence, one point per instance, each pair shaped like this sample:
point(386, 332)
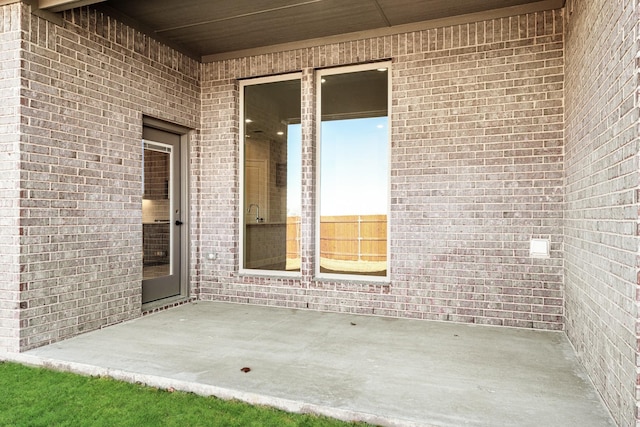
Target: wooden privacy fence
point(293, 237)
point(346, 237)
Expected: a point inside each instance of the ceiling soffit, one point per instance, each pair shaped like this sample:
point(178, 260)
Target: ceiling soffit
point(213, 30)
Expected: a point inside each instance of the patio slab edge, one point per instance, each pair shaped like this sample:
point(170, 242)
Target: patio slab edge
point(166, 383)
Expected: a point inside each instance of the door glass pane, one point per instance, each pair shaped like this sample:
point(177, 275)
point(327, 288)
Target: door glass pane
point(354, 173)
point(272, 175)
point(156, 211)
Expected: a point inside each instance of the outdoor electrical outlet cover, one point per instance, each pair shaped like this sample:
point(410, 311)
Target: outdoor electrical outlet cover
point(539, 248)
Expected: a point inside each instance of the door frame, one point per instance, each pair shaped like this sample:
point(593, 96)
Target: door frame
point(185, 243)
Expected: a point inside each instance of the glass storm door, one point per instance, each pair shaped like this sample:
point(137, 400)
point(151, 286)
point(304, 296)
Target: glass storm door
point(161, 216)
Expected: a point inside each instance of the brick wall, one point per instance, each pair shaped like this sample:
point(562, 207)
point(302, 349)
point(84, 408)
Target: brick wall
point(601, 196)
point(478, 132)
point(87, 85)
point(477, 161)
point(12, 18)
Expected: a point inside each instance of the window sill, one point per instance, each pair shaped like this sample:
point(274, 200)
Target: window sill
point(358, 280)
point(270, 274)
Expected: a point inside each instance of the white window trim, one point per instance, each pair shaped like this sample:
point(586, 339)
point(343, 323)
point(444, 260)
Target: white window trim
point(318, 93)
point(166, 149)
point(242, 269)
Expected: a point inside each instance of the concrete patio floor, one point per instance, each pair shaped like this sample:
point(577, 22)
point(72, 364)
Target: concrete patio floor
point(384, 371)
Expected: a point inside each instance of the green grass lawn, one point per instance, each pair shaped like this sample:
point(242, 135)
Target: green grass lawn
point(40, 397)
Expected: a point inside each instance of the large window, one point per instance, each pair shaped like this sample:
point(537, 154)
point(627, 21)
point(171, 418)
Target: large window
point(353, 198)
point(351, 186)
point(271, 180)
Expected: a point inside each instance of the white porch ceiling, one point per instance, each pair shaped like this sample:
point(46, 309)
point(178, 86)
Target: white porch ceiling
point(60, 5)
point(209, 29)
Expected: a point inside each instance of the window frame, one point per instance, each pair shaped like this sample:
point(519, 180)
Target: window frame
point(242, 269)
point(318, 135)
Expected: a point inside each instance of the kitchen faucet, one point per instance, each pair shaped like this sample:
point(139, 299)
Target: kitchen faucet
point(258, 219)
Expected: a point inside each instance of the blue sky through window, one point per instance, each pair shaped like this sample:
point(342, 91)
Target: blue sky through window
point(294, 170)
point(354, 167)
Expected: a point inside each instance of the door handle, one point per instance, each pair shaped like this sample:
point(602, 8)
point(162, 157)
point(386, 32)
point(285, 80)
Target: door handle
point(178, 222)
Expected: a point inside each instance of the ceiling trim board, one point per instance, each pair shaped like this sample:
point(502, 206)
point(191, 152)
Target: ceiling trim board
point(33, 4)
point(62, 5)
point(52, 17)
point(539, 6)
